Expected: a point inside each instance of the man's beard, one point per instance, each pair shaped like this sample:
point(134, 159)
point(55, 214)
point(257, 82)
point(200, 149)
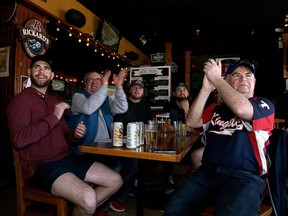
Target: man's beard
point(136, 97)
point(179, 99)
point(38, 84)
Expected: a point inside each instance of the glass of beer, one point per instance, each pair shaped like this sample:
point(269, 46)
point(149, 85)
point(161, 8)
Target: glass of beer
point(151, 134)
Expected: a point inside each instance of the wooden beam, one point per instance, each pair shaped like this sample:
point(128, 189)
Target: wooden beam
point(187, 68)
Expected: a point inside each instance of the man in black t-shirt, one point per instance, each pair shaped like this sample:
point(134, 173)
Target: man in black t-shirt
point(178, 108)
point(138, 110)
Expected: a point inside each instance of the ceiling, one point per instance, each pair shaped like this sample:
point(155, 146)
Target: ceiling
point(203, 26)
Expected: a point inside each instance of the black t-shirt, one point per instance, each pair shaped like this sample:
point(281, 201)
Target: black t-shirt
point(136, 112)
point(176, 113)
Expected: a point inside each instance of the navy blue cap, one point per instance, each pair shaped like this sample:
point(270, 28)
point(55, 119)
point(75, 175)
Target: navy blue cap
point(44, 58)
point(236, 64)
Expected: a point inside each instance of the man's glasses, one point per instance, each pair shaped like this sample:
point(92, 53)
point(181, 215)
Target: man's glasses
point(96, 80)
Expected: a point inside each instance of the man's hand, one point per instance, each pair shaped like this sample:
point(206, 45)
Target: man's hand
point(207, 84)
point(80, 130)
point(60, 108)
point(105, 78)
point(120, 78)
point(212, 70)
point(185, 106)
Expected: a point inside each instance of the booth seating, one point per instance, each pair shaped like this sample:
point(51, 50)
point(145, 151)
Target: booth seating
point(27, 195)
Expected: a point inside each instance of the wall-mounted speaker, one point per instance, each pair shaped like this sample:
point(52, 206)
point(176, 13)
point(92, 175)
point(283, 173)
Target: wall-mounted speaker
point(132, 55)
point(75, 17)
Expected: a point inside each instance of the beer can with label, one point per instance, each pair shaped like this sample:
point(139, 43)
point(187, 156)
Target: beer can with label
point(132, 135)
point(117, 134)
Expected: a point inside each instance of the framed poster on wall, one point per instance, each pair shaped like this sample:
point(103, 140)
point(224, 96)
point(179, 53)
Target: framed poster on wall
point(25, 82)
point(225, 62)
point(157, 82)
point(110, 35)
point(4, 61)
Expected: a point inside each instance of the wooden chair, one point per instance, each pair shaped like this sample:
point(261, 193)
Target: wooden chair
point(27, 195)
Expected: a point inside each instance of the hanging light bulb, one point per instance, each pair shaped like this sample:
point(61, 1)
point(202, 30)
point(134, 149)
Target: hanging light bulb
point(286, 21)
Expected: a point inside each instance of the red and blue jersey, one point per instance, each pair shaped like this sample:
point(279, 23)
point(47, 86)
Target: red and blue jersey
point(239, 144)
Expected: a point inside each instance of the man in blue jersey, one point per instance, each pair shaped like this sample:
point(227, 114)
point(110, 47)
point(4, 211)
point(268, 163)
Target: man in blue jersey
point(236, 135)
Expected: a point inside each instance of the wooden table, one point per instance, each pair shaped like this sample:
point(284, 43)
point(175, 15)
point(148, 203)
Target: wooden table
point(181, 144)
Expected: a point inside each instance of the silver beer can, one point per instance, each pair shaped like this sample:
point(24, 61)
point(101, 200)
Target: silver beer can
point(132, 135)
point(117, 139)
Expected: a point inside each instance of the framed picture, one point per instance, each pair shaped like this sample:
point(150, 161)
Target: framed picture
point(110, 35)
point(25, 82)
point(4, 61)
point(225, 62)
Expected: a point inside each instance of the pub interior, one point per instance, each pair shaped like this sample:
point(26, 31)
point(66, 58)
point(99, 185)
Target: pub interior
point(76, 48)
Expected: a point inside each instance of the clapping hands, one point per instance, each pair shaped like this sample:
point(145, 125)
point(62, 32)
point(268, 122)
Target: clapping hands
point(120, 78)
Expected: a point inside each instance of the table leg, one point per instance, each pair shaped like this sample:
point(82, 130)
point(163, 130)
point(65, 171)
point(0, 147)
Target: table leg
point(140, 190)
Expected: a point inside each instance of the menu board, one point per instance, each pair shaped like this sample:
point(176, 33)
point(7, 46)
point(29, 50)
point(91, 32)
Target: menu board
point(157, 81)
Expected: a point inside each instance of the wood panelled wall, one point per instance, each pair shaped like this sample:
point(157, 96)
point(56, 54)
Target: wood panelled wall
point(7, 32)
point(12, 18)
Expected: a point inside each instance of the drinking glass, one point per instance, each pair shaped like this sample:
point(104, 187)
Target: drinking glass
point(177, 127)
point(151, 134)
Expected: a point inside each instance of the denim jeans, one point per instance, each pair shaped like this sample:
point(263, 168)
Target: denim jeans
point(233, 192)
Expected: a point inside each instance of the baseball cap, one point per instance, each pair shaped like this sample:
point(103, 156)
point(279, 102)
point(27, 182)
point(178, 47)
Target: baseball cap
point(181, 85)
point(236, 64)
point(44, 58)
point(136, 82)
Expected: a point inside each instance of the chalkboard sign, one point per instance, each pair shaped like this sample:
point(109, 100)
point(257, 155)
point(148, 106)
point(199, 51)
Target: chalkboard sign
point(157, 81)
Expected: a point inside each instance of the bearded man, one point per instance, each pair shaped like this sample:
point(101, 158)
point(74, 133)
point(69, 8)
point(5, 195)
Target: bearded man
point(138, 108)
point(178, 107)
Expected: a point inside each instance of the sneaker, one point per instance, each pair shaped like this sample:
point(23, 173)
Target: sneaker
point(101, 213)
point(170, 188)
point(117, 206)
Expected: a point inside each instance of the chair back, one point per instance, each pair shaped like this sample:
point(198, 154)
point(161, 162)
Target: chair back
point(19, 182)
point(26, 195)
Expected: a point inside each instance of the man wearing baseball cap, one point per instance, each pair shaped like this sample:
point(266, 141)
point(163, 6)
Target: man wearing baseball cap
point(236, 135)
point(138, 111)
point(39, 133)
point(178, 108)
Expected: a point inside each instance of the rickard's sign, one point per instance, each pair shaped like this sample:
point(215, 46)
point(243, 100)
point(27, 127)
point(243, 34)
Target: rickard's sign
point(33, 37)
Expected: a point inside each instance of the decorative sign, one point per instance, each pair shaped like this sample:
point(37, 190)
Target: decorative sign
point(33, 37)
point(225, 62)
point(4, 61)
point(158, 57)
point(157, 81)
point(25, 82)
point(110, 35)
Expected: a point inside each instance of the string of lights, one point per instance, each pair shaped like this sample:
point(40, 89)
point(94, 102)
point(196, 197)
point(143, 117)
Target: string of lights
point(63, 29)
